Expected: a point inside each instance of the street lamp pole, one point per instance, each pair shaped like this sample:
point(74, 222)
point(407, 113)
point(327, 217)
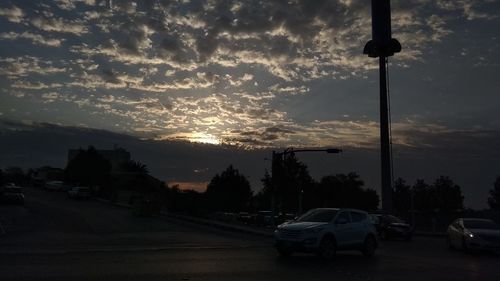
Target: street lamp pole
point(383, 46)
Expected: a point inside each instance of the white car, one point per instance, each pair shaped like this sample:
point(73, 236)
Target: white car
point(326, 230)
point(474, 234)
point(54, 185)
point(79, 192)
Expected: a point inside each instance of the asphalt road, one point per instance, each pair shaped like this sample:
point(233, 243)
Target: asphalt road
point(55, 238)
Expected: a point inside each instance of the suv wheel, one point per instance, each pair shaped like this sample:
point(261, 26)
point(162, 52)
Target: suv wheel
point(465, 248)
point(369, 247)
point(450, 244)
point(327, 248)
point(284, 252)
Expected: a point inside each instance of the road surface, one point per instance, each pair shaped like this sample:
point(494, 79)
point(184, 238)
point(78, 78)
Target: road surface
point(56, 238)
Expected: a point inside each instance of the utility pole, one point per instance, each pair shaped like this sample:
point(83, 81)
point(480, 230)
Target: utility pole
point(382, 46)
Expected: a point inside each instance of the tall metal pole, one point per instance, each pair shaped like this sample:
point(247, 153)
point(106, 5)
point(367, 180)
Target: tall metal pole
point(385, 149)
point(382, 46)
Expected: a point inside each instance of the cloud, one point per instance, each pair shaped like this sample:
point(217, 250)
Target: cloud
point(50, 97)
point(34, 85)
point(297, 40)
point(227, 69)
point(27, 65)
point(59, 25)
point(71, 4)
point(37, 39)
point(471, 9)
point(13, 14)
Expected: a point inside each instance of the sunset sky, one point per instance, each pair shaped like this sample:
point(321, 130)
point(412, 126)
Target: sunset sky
point(259, 74)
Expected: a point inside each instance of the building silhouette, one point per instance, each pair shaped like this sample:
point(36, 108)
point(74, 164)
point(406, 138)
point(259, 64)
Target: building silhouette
point(116, 156)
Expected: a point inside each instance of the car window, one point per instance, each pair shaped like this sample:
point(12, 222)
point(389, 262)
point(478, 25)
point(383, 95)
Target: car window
point(375, 219)
point(318, 216)
point(393, 219)
point(357, 217)
point(480, 224)
point(343, 216)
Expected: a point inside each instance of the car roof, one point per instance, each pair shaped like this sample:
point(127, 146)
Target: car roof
point(340, 209)
point(475, 219)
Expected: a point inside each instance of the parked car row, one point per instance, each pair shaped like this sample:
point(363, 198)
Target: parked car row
point(74, 192)
point(11, 194)
point(80, 192)
point(260, 218)
point(325, 230)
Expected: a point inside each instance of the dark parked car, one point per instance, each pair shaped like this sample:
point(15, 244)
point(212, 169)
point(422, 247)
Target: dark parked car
point(263, 218)
point(244, 217)
point(391, 227)
point(80, 192)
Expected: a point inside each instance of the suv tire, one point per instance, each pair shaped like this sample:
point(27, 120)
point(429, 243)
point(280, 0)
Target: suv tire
point(327, 248)
point(284, 252)
point(448, 242)
point(369, 246)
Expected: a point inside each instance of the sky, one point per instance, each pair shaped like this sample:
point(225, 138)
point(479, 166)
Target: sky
point(248, 77)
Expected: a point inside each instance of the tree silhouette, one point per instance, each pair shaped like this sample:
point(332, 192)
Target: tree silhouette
point(133, 166)
point(422, 196)
point(88, 167)
point(230, 191)
point(262, 200)
point(401, 196)
point(2, 177)
point(134, 176)
point(446, 195)
point(346, 190)
point(443, 195)
point(494, 199)
point(291, 179)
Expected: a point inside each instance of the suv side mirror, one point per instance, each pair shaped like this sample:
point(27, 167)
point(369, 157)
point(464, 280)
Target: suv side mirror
point(341, 221)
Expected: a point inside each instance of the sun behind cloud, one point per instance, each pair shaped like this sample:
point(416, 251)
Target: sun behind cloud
point(203, 138)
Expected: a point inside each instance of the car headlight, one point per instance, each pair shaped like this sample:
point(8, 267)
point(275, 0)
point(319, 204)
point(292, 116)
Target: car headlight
point(469, 234)
point(313, 230)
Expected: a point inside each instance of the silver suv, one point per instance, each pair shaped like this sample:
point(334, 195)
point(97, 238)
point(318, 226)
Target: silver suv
point(326, 230)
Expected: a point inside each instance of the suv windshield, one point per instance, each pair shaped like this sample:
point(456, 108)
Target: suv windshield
point(481, 224)
point(318, 216)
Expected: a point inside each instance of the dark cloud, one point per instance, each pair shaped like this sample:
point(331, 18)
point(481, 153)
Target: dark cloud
point(278, 130)
point(109, 76)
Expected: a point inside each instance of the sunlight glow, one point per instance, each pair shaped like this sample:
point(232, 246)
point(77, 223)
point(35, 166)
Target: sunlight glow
point(203, 138)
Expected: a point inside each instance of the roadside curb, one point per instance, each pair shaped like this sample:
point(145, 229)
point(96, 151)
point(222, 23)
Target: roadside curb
point(221, 225)
point(123, 205)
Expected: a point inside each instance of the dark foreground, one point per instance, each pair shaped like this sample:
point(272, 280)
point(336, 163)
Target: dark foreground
point(54, 238)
